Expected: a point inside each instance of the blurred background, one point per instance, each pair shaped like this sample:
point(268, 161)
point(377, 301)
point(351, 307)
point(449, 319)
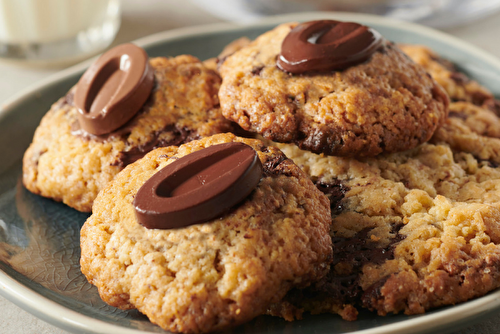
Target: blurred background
point(40, 37)
point(436, 13)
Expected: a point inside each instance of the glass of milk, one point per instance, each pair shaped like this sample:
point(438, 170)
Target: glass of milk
point(436, 13)
point(52, 31)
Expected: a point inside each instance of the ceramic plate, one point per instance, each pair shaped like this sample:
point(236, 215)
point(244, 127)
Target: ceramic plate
point(39, 238)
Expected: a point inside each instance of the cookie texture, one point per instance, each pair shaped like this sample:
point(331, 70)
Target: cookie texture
point(417, 229)
point(457, 85)
point(411, 230)
point(237, 44)
point(386, 104)
point(69, 165)
point(216, 274)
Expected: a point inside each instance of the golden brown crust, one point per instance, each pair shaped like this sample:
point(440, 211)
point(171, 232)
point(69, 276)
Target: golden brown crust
point(458, 86)
point(70, 167)
point(387, 104)
point(217, 274)
point(237, 44)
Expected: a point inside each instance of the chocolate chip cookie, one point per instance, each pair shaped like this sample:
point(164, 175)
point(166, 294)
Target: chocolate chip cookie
point(411, 230)
point(68, 164)
point(384, 103)
point(219, 273)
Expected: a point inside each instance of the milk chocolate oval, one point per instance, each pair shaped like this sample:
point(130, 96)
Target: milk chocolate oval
point(113, 89)
point(327, 45)
point(198, 187)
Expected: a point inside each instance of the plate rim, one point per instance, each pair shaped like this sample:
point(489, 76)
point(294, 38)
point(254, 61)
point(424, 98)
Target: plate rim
point(67, 319)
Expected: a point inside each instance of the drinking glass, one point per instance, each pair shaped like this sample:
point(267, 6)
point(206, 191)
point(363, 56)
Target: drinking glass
point(48, 31)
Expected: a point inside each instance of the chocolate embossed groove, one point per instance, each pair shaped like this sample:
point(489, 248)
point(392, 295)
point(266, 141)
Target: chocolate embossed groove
point(113, 89)
point(335, 191)
point(198, 187)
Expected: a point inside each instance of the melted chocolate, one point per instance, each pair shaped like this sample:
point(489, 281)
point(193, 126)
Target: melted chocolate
point(479, 97)
point(240, 132)
point(274, 166)
point(445, 63)
point(459, 78)
point(181, 136)
point(257, 70)
point(455, 114)
point(493, 105)
point(327, 45)
point(373, 292)
point(335, 191)
point(490, 163)
point(356, 252)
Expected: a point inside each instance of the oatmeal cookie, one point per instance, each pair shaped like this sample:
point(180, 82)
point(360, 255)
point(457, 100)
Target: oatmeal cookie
point(385, 104)
point(216, 274)
point(472, 129)
point(458, 86)
point(72, 166)
point(411, 230)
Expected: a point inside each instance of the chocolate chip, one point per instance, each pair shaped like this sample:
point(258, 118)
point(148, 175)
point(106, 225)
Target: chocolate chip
point(220, 60)
point(113, 89)
point(36, 157)
point(373, 292)
point(479, 97)
point(275, 166)
point(384, 48)
point(240, 132)
point(257, 70)
point(327, 45)
point(180, 136)
point(490, 163)
point(335, 191)
point(455, 114)
point(445, 63)
point(459, 78)
point(356, 252)
point(189, 72)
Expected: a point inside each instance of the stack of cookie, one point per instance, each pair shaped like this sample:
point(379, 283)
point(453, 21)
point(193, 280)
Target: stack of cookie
point(356, 184)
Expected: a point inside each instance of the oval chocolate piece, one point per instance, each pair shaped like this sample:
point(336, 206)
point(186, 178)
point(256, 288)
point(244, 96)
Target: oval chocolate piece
point(113, 89)
point(198, 187)
point(327, 45)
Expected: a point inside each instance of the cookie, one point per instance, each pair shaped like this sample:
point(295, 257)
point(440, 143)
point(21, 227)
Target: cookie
point(411, 230)
point(458, 86)
point(216, 274)
point(70, 165)
point(384, 104)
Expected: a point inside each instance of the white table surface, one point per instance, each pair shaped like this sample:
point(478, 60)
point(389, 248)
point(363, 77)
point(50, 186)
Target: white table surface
point(145, 17)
